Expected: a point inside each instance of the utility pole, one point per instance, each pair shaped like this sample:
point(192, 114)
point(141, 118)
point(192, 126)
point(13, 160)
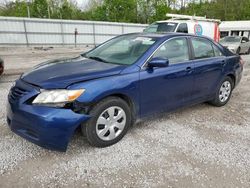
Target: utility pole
point(48, 9)
point(28, 8)
point(225, 9)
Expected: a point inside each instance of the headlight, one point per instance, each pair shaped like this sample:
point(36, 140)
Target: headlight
point(57, 97)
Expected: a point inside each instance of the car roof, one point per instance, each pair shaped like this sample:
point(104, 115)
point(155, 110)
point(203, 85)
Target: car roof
point(165, 35)
point(175, 21)
point(183, 21)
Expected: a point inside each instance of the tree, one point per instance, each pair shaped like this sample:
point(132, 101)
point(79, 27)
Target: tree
point(39, 9)
point(152, 10)
point(160, 9)
point(142, 11)
point(121, 10)
point(17, 8)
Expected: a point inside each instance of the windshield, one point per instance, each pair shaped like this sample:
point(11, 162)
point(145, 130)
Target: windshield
point(231, 39)
point(123, 50)
point(161, 27)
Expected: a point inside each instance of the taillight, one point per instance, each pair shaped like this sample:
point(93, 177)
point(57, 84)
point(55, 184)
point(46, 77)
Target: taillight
point(242, 62)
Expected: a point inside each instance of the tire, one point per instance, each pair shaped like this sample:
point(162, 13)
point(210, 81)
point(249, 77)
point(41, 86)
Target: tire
point(111, 119)
point(238, 51)
point(224, 92)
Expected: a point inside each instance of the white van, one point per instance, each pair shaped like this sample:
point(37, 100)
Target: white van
point(187, 24)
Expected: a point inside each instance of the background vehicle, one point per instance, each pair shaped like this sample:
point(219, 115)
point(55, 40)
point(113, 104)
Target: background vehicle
point(235, 28)
point(236, 44)
point(1, 66)
point(127, 78)
point(199, 26)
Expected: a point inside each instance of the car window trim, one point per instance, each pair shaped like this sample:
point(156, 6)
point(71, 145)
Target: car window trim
point(144, 65)
point(206, 59)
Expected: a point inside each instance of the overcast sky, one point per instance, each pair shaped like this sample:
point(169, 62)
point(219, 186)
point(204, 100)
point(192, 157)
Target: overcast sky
point(82, 2)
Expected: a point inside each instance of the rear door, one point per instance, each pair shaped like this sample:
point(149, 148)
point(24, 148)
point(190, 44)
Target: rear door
point(208, 63)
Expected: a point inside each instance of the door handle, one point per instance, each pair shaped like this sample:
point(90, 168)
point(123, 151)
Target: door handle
point(188, 69)
point(223, 62)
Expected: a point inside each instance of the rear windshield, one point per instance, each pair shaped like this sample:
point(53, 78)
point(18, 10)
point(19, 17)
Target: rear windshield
point(231, 39)
point(161, 27)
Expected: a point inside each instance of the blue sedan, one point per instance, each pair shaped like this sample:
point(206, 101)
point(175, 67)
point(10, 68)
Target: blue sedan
point(109, 88)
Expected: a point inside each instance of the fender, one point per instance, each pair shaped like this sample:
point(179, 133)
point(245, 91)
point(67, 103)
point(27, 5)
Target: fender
point(230, 69)
point(98, 89)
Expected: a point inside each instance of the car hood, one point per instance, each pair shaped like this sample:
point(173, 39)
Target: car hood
point(61, 73)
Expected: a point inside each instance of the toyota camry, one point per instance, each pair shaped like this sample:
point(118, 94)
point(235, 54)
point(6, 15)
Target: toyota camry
point(108, 89)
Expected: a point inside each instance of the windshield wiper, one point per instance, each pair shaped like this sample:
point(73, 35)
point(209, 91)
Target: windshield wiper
point(98, 59)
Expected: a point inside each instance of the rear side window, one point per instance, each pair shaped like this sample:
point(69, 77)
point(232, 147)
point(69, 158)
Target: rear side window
point(202, 48)
point(175, 50)
point(182, 28)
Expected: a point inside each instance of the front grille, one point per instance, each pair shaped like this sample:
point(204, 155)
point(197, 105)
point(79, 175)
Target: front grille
point(16, 93)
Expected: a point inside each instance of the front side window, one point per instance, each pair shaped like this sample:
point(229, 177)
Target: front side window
point(175, 50)
point(123, 50)
point(202, 48)
point(244, 39)
point(182, 28)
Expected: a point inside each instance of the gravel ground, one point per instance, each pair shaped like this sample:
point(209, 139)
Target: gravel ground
point(198, 146)
point(21, 59)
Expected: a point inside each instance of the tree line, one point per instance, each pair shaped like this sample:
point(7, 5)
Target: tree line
point(135, 11)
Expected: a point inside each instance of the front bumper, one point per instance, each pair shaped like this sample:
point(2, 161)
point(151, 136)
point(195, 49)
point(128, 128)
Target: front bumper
point(48, 127)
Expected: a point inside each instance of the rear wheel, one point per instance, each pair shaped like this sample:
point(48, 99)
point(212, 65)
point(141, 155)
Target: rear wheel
point(110, 121)
point(224, 92)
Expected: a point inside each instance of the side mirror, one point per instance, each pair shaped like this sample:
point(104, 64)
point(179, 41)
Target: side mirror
point(158, 62)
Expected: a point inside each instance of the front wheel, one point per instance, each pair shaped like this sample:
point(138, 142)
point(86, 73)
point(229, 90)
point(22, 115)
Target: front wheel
point(110, 121)
point(224, 92)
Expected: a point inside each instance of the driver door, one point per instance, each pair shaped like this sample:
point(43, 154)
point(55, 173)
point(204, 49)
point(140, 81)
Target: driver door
point(166, 88)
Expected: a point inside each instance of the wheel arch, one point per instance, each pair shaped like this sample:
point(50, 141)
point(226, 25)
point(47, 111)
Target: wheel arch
point(133, 107)
point(232, 76)
point(129, 101)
